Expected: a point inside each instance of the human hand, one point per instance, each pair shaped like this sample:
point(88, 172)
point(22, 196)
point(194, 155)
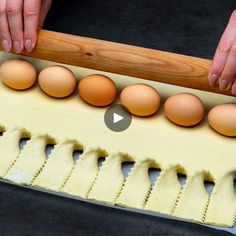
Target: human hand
point(223, 69)
point(19, 22)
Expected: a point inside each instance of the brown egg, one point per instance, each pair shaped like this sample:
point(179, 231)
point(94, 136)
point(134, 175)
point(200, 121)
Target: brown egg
point(222, 118)
point(18, 74)
point(97, 90)
point(140, 99)
point(57, 81)
point(184, 109)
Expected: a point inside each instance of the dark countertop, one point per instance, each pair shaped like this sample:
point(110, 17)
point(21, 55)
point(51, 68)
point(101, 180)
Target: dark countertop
point(29, 212)
point(188, 27)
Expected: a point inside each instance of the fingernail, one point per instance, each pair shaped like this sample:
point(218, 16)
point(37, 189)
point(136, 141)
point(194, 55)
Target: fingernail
point(234, 89)
point(213, 80)
point(5, 46)
point(28, 45)
point(223, 84)
point(17, 47)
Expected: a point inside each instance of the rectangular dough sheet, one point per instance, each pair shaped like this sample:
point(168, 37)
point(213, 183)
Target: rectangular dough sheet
point(198, 152)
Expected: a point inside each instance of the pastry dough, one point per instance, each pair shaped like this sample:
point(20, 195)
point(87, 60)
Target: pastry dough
point(30, 161)
point(198, 152)
point(193, 197)
point(60, 164)
point(9, 149)
point(81, 180)
point(107, 191)
point(137, 185)
point(163, 195)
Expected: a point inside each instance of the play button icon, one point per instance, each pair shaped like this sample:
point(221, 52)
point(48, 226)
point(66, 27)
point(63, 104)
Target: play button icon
point(117, 118)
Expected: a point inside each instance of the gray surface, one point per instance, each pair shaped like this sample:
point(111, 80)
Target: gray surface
point(188, 27)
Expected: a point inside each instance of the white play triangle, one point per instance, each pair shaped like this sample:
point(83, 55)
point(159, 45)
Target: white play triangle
point(117, 118)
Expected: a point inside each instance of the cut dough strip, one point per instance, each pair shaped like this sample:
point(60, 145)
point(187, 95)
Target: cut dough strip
point(110, 179)
point(58, 167)
point(165, 191)
point(9, 148)
point(84, 173)
point(222, 205)
point(30, 161)
point(137, 185)
point(193, 199)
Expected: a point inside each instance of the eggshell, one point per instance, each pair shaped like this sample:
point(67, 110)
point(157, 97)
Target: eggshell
point(57, 81)
point(184, 109)
point(140, 99)
point(97, 90)
point(222, 118)
point(18, 74)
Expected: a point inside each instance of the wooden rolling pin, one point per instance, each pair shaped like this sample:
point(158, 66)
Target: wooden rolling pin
point(124, 59)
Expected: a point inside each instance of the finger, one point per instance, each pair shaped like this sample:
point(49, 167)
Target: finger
point(5, 36)
point(229, 72)
point(14, 16)
point(222, 51)
point(46, 5)
point(31, 21)
point(234, 88)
